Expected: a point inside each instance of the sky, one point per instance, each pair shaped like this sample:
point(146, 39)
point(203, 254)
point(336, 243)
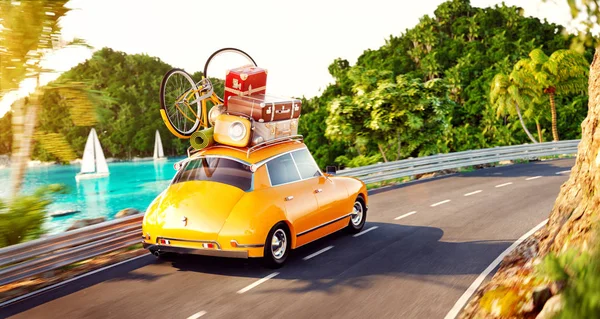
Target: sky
point(295, 41)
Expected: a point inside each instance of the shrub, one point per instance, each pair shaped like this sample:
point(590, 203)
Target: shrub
point(580, 273)
point(22, 218)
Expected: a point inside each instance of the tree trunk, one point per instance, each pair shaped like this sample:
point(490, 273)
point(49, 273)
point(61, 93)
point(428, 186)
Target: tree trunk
point(554, 117)
point(539, 129)
point(382, 152)
point(23, 124)
point(523, 124)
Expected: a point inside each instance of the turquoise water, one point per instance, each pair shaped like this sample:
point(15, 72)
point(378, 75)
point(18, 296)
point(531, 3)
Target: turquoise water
point(129, 185)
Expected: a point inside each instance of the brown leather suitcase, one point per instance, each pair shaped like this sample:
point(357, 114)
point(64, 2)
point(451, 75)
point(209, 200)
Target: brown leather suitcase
point(264, 107)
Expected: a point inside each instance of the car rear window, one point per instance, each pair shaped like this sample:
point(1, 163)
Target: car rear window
point(216, 169)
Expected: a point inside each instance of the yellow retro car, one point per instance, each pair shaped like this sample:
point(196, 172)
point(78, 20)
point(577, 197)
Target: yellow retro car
point(226, 201)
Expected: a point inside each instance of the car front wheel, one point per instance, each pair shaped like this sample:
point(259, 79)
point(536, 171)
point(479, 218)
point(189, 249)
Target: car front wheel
point(358, 216)
point(277, 246)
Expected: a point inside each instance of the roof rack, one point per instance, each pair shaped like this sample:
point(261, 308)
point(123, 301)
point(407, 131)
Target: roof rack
point(191, 150)
point(276, 141)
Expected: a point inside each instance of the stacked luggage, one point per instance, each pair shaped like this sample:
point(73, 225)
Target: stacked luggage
point(250, 115)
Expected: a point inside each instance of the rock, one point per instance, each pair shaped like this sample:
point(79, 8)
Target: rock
point(127, 212)
point(540, 295)
point(551, 308)
point(86, 222)
point(508, 162)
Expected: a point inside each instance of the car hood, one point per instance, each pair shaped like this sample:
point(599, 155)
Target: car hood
point(204, 205)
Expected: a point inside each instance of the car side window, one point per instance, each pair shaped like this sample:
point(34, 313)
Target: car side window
point(282, 170)
point(305, 163)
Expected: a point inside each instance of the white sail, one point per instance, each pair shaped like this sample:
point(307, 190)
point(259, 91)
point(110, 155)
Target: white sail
point(101, 165)
point(88, 165)
point(158, 147)
point(155, 156)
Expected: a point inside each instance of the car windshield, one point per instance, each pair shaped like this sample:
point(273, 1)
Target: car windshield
point(216, 169)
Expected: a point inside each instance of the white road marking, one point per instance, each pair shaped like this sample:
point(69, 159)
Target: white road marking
point(365, 231)
point(471, 290)
point(473, 193)
point(256, 283)
point(532, 178)
point(33, 293)
point(440, 203)
point(317, 253)
point(502, 185)
point(563, 172)
point(405, 215)
point(197, 315)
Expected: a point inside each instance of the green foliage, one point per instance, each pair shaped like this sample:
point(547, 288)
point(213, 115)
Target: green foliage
point(6, 133)
point(400, 115)
point(459, 51)
point(22, 218)
point(425, 91)
point(360, 160)
point(29, 30)
point(120, 100)
point(580, 273)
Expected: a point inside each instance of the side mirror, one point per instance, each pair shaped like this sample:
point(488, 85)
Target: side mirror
point(331, 170)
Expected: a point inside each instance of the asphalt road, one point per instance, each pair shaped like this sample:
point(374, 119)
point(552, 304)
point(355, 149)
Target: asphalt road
point(416, 266)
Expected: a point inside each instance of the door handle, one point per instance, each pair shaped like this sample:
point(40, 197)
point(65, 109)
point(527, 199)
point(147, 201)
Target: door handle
point(289, 198)
point(318, 190)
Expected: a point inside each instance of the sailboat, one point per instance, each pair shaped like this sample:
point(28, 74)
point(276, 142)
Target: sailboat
point(93, 164)
point(159, 153)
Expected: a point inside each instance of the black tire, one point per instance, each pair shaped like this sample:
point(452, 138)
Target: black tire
point(273, 256)
point(357, 221)
point(174, 119)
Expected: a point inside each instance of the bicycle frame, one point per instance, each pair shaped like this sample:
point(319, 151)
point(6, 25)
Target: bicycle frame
point(205, 90)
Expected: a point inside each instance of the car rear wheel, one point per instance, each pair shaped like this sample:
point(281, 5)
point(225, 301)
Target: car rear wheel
point(358, 216)
point(277, 246)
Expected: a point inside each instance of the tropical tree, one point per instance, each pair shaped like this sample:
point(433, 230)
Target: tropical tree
point(509, 92)
point(563, 72)
point(29, 31)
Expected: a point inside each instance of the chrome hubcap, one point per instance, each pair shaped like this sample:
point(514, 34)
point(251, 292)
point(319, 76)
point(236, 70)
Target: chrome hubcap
point(357, 214)
point(278, 244)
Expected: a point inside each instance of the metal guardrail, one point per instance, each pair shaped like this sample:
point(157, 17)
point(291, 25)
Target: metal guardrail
point(38, 256)
point(421, 165)
point(45, 254)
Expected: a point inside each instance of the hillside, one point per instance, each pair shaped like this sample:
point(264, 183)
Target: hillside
point(460, 49)
point(425, 91)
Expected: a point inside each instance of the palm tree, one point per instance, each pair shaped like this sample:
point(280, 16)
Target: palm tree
point(30, 32)
point(507, 96)
point(564, 72)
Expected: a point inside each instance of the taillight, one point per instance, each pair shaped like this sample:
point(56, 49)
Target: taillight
point(164, 241)
point(208, 245)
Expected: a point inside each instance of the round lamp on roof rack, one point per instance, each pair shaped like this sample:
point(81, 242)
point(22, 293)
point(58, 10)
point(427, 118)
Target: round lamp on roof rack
point(215, 111)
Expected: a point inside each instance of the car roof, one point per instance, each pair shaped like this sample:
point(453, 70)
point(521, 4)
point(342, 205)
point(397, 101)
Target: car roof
point(256, 156)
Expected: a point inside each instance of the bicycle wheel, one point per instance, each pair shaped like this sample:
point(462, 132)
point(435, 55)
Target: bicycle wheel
point(217, 99)
point(180, 106)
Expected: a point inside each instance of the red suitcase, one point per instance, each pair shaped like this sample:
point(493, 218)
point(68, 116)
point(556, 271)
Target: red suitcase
point(265, 108)
point(245, 80)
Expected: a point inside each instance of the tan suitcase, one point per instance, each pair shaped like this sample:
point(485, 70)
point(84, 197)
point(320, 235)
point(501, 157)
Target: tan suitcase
point(266, 131)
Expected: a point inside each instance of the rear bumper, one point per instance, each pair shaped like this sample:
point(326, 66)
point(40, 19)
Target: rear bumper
point(197, 251)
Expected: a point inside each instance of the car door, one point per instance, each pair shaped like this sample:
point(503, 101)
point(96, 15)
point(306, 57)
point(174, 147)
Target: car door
point(329, 195)
point(299, 201)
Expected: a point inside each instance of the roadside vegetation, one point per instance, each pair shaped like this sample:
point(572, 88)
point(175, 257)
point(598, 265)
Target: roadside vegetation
point(425, 91)
point(556, 272)
point(22, 218)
